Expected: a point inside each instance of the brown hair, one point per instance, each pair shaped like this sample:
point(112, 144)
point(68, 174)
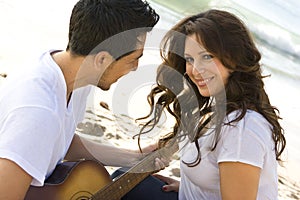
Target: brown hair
point(226, 37)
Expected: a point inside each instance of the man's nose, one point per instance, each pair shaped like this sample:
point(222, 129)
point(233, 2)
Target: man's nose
point(135, 65)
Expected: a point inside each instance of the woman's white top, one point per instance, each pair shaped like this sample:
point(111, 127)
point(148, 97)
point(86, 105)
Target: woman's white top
point(247, 141)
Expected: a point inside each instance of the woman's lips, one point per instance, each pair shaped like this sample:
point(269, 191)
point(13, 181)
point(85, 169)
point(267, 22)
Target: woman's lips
point(203, 82)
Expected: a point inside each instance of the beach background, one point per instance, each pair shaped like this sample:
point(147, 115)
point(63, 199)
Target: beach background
point(31, 27)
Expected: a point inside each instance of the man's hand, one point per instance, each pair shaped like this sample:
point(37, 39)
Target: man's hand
point(159, 162)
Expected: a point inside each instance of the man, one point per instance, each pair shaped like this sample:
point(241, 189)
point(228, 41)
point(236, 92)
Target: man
point(41, 107)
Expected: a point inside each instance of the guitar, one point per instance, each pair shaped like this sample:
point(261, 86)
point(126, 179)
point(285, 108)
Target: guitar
point(87, 179)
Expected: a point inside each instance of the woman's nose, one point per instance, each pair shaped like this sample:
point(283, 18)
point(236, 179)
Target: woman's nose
point(198, 70)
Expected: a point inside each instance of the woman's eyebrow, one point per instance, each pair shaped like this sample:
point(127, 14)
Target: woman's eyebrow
point(200, 52)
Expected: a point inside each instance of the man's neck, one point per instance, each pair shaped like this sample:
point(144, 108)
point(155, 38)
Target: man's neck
point(69, 66)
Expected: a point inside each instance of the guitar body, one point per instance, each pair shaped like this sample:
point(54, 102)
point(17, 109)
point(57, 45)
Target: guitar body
point(72, 181)
point(86, 179)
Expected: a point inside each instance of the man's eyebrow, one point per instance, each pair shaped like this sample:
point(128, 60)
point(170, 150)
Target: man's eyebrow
point(139, 41)
point(140, 56)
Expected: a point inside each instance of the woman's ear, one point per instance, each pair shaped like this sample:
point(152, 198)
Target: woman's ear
point(102, 60)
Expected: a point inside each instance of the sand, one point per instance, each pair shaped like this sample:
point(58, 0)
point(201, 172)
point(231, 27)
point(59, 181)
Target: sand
point(102, 125)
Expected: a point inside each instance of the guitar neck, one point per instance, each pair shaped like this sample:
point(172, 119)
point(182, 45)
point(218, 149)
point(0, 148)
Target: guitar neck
point(121, 186)
point(133, 176)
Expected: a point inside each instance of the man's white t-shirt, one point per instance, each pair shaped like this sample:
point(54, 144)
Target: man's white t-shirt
point(36, 124)
point(248, 141)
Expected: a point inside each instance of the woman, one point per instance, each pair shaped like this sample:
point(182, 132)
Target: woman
point(230, 137)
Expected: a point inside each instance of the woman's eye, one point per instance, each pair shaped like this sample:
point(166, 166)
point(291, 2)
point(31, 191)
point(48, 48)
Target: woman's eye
point(189, 60)
point(207, 56)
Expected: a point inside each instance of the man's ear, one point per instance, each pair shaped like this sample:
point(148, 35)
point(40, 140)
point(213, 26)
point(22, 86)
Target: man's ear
point(102, 60)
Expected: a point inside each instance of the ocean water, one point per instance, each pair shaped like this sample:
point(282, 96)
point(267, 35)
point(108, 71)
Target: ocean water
point(30, 27)
point(275, 26)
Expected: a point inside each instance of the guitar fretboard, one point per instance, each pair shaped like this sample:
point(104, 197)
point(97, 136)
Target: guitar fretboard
point(134, 175)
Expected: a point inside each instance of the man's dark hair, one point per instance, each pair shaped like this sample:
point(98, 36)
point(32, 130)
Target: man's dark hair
point(98, 25)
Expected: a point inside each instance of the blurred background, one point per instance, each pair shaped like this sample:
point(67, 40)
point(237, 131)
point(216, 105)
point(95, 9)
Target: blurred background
point(32, 26)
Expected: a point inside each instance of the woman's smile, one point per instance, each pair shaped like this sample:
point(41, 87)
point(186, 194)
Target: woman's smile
point(204, 82)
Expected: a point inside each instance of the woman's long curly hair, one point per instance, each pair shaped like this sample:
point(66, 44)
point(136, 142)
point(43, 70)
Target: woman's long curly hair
point(226, 37)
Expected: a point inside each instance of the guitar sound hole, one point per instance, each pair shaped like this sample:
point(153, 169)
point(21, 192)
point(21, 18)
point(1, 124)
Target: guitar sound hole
point(82, 195)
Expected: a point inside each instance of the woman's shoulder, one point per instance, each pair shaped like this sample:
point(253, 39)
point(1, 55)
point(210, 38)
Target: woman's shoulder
point(250, 116)
point(252, 124)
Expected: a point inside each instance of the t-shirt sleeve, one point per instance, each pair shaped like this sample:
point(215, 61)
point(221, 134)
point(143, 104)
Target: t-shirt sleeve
point(28, 137)
point(243, 142)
